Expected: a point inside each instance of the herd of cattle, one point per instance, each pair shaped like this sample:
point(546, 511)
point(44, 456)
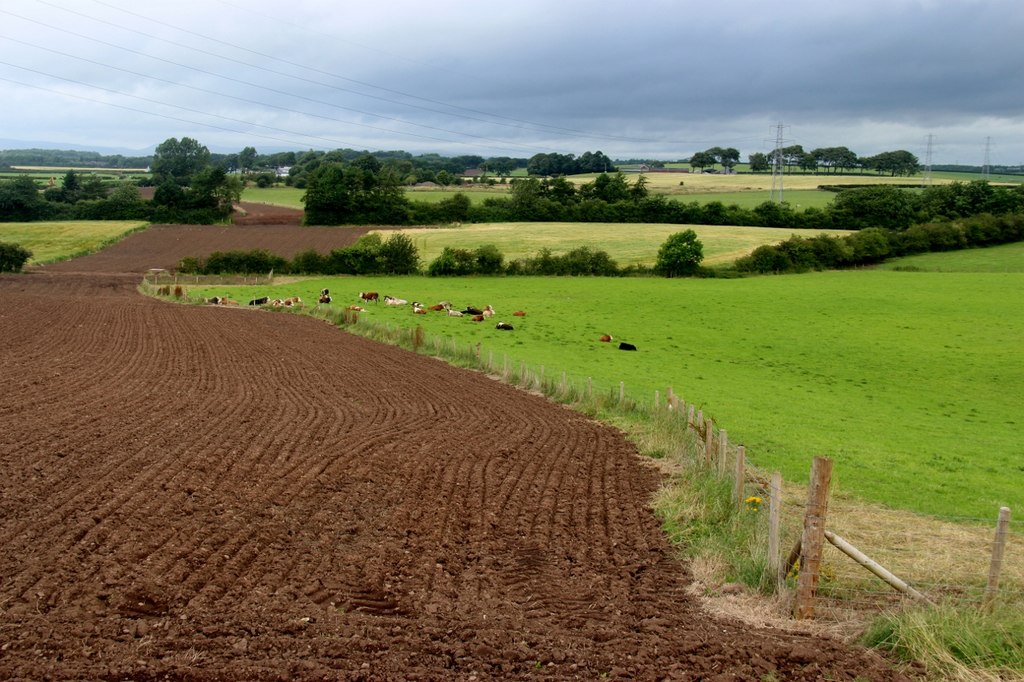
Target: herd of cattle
point(475, 314)
point(365, 297)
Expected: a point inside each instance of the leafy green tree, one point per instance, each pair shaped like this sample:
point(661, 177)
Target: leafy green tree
point(454, 209)
point(759, 162)
point(882, 206)
point(702, 160)
point(20, 200)
point(13, 257)
point(680, 255)
point(247, 159)
point(453, 262)
point(337, 195)
point(792, 155)
point(179, 160)
point(610, 187)
point(489, 260)
point(896, 163)
point(399, 256)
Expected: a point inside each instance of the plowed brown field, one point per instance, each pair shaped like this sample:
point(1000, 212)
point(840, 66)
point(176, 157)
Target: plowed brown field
point(202, 493)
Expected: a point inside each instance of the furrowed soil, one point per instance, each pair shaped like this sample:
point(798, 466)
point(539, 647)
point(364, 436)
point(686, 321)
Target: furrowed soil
point(211, 493)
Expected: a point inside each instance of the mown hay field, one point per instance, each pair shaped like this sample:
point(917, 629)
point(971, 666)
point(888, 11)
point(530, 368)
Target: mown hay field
point(628, 244)
point(51, 241)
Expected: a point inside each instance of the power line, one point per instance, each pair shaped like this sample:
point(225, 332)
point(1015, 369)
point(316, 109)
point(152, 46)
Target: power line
point(277, 58)
point(264, 87)
point(211, 92)
point(149, 113)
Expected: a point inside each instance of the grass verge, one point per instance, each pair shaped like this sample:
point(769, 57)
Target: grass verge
point(955, 643)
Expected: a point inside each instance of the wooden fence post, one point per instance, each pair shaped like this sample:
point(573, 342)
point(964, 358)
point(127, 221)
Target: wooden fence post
point(689, 416)
point(622, 392)
point(657, 399)
point(774, 528)
point(723, 451)
point(709, 437)
point(741, 474)
point(813, 538)
point(998, 548)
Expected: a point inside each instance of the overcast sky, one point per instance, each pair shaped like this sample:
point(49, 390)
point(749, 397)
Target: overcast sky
point(638, 79)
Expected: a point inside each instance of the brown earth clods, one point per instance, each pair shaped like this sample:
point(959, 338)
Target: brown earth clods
point(201, 493)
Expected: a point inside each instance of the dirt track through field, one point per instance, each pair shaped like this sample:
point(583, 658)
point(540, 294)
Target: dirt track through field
point(201, 493)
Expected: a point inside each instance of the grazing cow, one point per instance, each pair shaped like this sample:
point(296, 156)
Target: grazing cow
point(215, 300)
point(164, 290)
point(277, 303)
point(260, 301)
point(437, 308)
point(504, 326)
point(369, 296)
point(293, 301)
point(391, 300)
point(519, 313)
point(478, 318)
point(626, 346)
point(454, 313)
point(356, 308)
point(470, 310)
point(325, 296)
point(488, 311)
point(605, 338)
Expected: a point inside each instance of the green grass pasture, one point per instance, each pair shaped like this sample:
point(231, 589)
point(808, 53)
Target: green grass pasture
point(53, 241)
point(910, 381)
point(276, 196)
point(1004, 258)
point(628, 244)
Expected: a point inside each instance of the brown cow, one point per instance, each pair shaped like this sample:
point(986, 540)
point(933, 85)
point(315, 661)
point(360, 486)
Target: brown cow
point(369, 296)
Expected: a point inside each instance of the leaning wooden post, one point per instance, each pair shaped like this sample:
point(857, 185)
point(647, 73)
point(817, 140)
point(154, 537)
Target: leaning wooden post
point(813, 538)
point(709, 437)
point(669, 397)
point(741, 474)
point(774, 528)
point(873, 566)
point(689, 416)
point(998, 548)
point(723, 451)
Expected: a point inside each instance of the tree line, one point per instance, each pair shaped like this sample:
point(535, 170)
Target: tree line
point(680, 255)
point(365, 191)
point(188, 188)
point(898, 163)
point(874, 245)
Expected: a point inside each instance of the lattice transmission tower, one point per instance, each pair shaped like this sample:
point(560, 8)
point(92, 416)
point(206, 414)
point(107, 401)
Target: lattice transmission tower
point(778, 165)
point(928, 160)
point(985, 166)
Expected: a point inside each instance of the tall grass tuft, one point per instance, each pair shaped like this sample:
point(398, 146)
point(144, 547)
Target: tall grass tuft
point(701, 517)
point(956, 643)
